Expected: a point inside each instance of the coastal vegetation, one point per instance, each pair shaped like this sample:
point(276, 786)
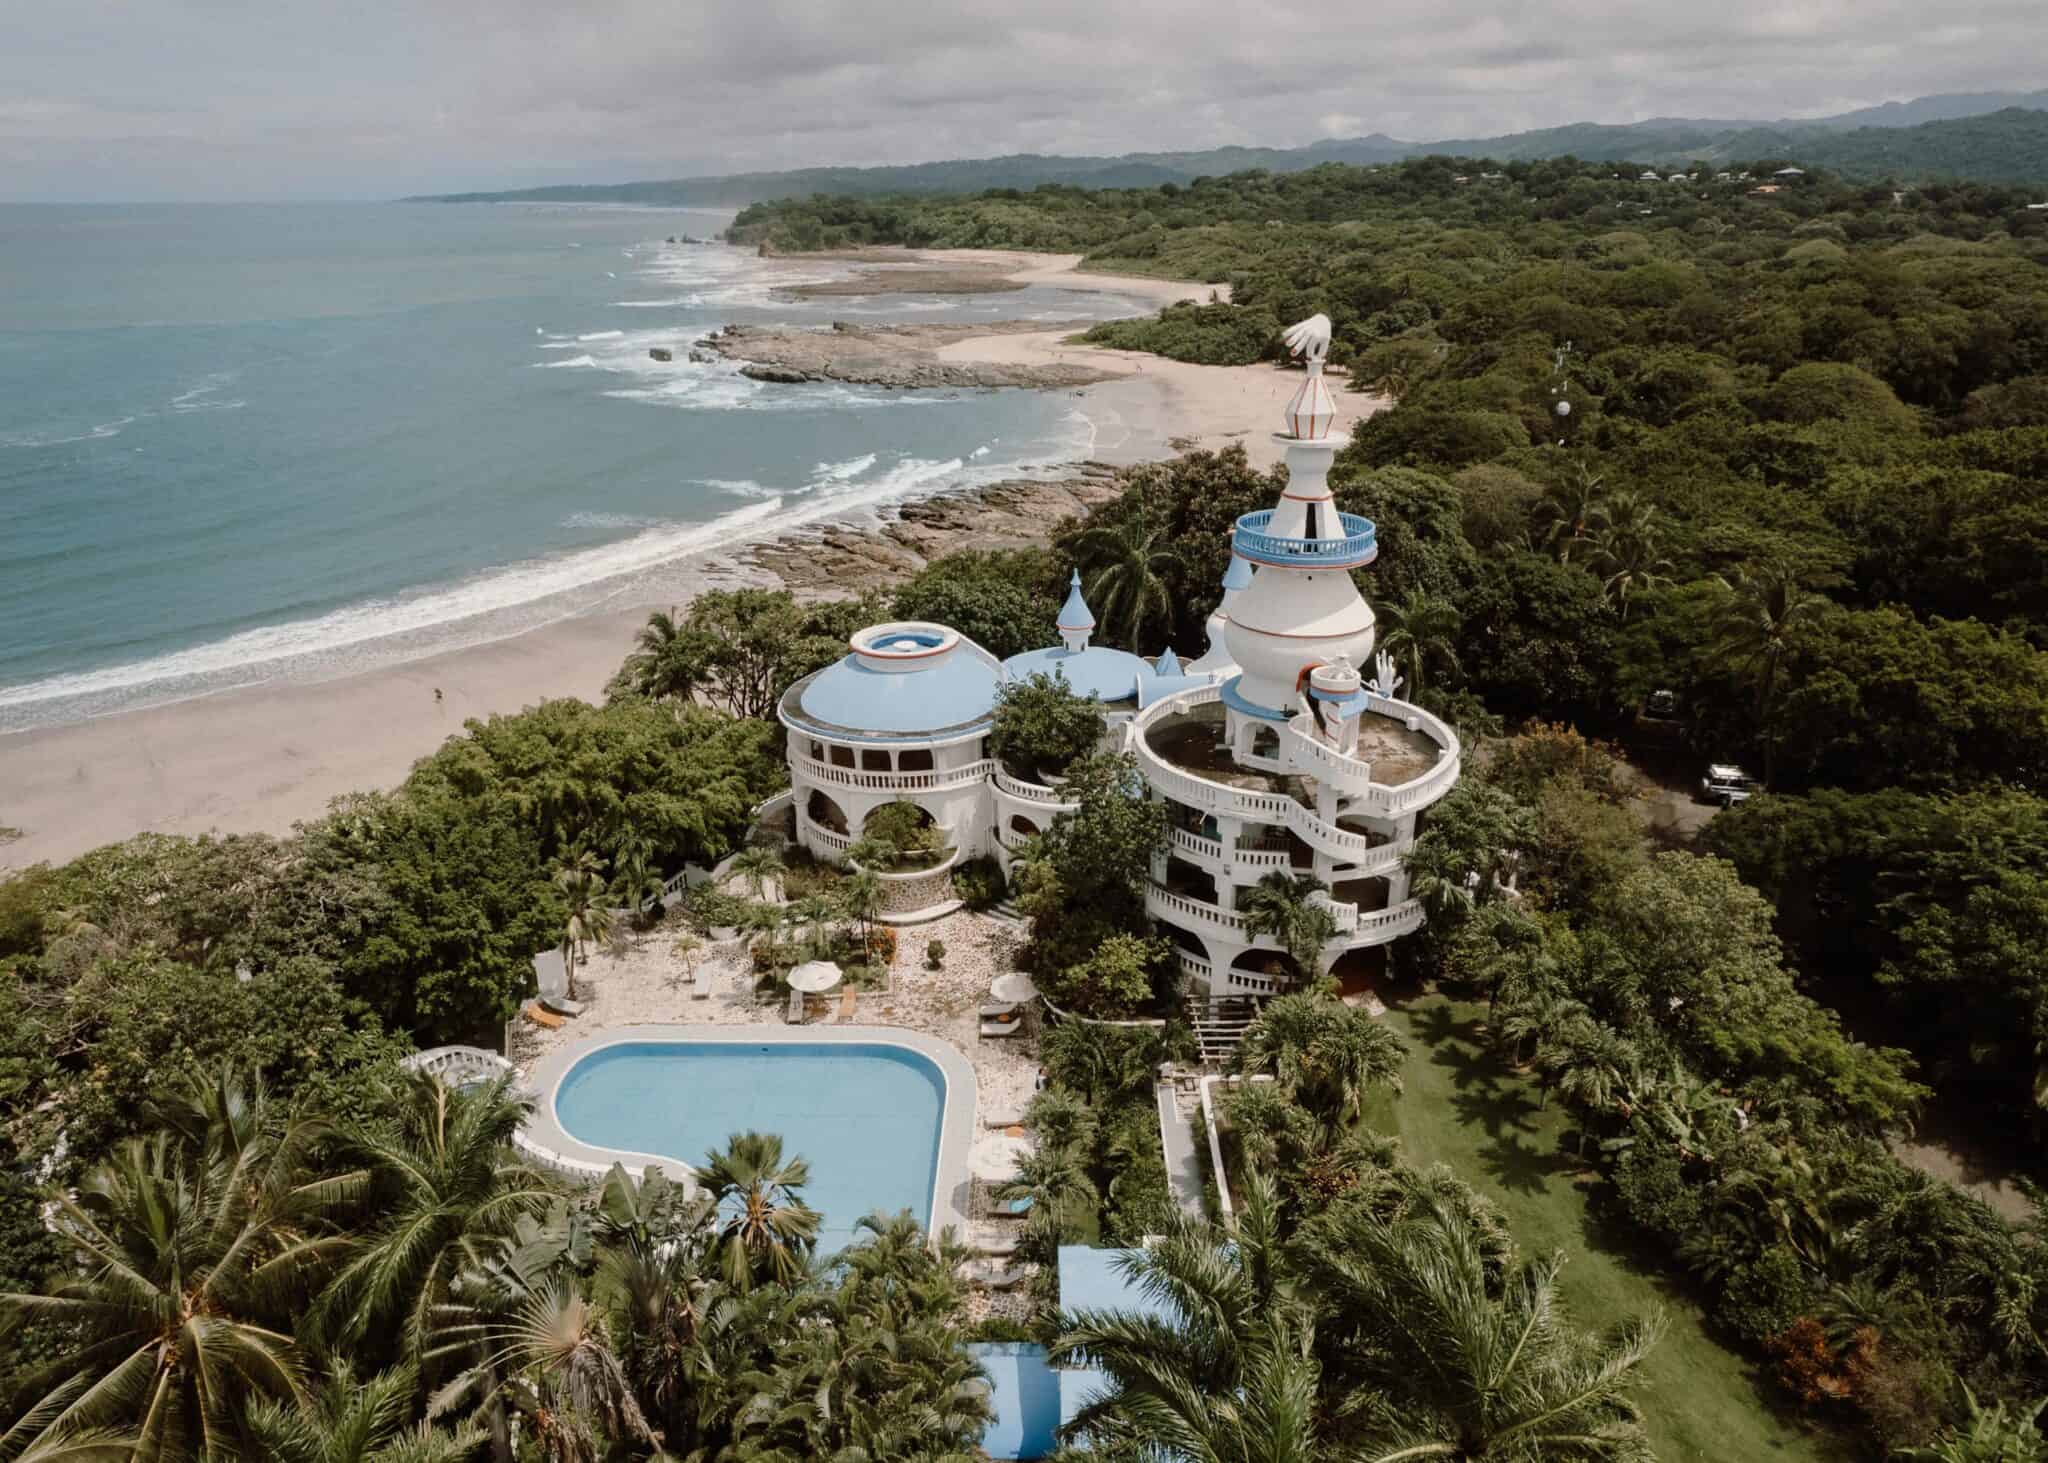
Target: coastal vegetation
point(1793, 516)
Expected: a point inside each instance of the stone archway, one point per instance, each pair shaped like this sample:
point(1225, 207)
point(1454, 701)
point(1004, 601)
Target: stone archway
point(821, 812)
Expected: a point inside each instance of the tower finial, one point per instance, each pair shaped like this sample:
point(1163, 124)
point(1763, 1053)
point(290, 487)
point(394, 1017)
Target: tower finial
point(1312, 413)
point(1076, 621)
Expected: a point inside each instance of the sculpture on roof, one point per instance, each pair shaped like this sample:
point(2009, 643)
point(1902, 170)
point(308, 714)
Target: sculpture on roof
point(1309, 339)
point(1384, 682)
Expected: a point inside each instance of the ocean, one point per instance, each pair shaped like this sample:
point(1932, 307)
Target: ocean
point(243, 443)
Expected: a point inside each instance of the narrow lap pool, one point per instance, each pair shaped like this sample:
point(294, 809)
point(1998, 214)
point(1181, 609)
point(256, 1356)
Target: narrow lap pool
point(867, 1116)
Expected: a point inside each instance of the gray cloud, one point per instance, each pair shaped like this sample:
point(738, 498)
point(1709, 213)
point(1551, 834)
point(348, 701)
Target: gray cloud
point(369, 98)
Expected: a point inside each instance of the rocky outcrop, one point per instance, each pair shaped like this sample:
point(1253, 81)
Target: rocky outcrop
point(892, 355)
point(835, 558)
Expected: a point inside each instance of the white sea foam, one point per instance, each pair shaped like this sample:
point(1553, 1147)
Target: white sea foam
point(571, 361)
point(841, 472)
point(609, 520)
point(602, 335)
point(481, 595)
point(739, 487)
point(58, 436)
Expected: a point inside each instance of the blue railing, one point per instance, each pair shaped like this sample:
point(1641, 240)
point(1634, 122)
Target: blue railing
point(1359, 545)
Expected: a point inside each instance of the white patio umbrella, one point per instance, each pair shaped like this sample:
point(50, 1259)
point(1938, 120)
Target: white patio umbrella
point(1015, 986)
point(814, 976)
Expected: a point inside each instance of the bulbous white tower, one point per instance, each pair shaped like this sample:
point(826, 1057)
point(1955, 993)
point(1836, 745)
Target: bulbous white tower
point(1301, 609)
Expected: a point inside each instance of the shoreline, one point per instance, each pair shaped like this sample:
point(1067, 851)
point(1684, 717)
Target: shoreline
point(259, 758)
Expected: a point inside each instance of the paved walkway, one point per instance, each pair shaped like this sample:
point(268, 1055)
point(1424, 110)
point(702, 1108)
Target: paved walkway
point(1183, 1165)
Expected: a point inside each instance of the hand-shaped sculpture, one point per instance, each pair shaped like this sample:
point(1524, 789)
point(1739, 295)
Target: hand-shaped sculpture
point(1309, 338)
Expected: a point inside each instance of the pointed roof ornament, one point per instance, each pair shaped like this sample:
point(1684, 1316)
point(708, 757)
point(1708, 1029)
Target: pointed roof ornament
point(1075, 614)
point(1168, 664)
point(1312, 413)
point(1238, 575)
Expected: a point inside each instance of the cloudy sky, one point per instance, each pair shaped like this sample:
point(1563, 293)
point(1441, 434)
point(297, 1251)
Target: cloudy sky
point(156, 99)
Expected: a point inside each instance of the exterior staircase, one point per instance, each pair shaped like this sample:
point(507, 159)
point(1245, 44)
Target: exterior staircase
point(1220, 1023)
point(1008, 913)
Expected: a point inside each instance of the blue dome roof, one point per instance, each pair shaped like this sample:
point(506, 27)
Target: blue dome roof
point(1075, 614)
point(950, 695)
point(1099, 671)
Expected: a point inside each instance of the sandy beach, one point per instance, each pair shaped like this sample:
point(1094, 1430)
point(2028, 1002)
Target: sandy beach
point(262, 758)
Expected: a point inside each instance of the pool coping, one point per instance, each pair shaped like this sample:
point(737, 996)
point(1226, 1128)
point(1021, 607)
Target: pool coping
point(542, 1137)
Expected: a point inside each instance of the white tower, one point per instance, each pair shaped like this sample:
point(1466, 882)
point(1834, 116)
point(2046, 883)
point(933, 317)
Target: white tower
point(1301, 609)
point(1076, 621)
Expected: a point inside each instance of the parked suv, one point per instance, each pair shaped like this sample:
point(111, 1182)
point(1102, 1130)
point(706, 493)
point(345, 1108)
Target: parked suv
point(1726, 784)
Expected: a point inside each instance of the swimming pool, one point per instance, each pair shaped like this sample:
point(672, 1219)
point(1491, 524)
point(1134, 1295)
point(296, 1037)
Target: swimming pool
point(869, 1116)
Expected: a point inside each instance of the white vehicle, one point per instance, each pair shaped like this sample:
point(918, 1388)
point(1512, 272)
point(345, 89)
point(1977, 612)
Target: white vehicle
point(1726, 784)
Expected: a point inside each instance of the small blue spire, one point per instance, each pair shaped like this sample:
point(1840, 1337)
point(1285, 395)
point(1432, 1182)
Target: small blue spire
point(1238, 575)
point(1169, 664)
point(1075, 614)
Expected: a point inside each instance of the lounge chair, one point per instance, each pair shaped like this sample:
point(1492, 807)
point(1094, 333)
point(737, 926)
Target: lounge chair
point(849, 1003)
point(562, 1005)
point(1001, 1018)
point(539, 1015)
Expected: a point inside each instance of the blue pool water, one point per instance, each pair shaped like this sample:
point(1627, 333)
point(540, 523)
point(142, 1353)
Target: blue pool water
point(866, 1117)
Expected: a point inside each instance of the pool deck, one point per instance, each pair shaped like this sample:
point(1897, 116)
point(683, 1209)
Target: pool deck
point(543, 1138)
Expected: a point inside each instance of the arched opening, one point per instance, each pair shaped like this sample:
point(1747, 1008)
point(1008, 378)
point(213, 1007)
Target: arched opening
point(916, 759)
point(1185, 879)
point(824, 813)
point(1361, 972)
point(1267, 965)
point(905, 836)
point(1266, 743)
point(842, 756)
point(1368, 894)
point(874, 759)
point(1023, 827)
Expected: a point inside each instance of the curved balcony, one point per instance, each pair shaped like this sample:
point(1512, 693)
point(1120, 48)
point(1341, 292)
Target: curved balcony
point(1249, 865)
point(1033, 792)
point(827, 774)
point(1352, 777)
point(1358, 547)
point(1309, 756)
point(1356, 929)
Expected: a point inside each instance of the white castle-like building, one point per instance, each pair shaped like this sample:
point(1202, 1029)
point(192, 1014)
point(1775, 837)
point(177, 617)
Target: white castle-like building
point(1271, 752)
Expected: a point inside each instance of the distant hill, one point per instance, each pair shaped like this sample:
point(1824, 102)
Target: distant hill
point(1993, 137)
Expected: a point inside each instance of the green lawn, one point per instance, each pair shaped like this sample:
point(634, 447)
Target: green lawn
point(1462, 1107)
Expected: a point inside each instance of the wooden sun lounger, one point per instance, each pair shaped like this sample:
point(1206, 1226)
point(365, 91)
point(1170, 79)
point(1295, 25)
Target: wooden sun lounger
point(540, 1016)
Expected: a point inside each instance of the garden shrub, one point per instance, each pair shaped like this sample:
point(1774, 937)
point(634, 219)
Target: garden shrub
point(979, 883)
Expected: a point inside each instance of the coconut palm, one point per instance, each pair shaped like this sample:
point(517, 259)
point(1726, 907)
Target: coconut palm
point(1570, 517)
point(1323, 1053)
point(543, 1347)
point(764, 920)
point(1465, 1364)
point(2000, 1433)
point(757, 866)
point(765, 1229)
point(666, 662)
point(1625, 552)
point(1127, 567)
point(860, 898)
point(1439, 879)
point(446, 1185)
point(1059, 1118)
point(190, 1261)
point(1419, 630)
point(589, 917)
point(1227, 1372)
point(1048, 1180)
point(1764, 610)
point(1284, 906)
point(351, 1421)
point(815, 913)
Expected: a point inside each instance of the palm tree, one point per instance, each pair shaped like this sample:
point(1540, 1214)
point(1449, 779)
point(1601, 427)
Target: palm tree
point(1127, 565)
point(664, 663)
point(358, 1422)
point(1103, 1062)
point(1573, 514)
point(1439, 879)
point(1322, 1052)
point(757, 866)
point(2000, 1433)
point(539, 1332)
point(1418, 630)
point(446, 1185)
point(1048, 1179)
point(1467, 1364)
point(1626, 551)
point(589, 917)
point(190, 1260)
point(764, 920)
point(765, 1229)
point(814, 912)
point(1228, 1372)
point(860, 896)
point(1283, 905)
point(1765, 608)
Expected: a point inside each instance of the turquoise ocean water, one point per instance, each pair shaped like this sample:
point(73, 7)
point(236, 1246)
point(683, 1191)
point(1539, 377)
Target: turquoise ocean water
point(244, 443)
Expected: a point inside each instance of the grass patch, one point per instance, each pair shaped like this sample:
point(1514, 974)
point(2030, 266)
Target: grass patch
point(1465, 1108)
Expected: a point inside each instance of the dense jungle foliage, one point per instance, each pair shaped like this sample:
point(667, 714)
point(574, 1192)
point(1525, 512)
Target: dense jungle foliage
point(1795, 517)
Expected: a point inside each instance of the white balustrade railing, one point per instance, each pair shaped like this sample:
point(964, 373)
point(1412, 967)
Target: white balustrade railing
point(1357, 928)
point(824, 837)
point(455, 1065)
point(945, 777)
point(1211, 853)
point(1032, 792)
